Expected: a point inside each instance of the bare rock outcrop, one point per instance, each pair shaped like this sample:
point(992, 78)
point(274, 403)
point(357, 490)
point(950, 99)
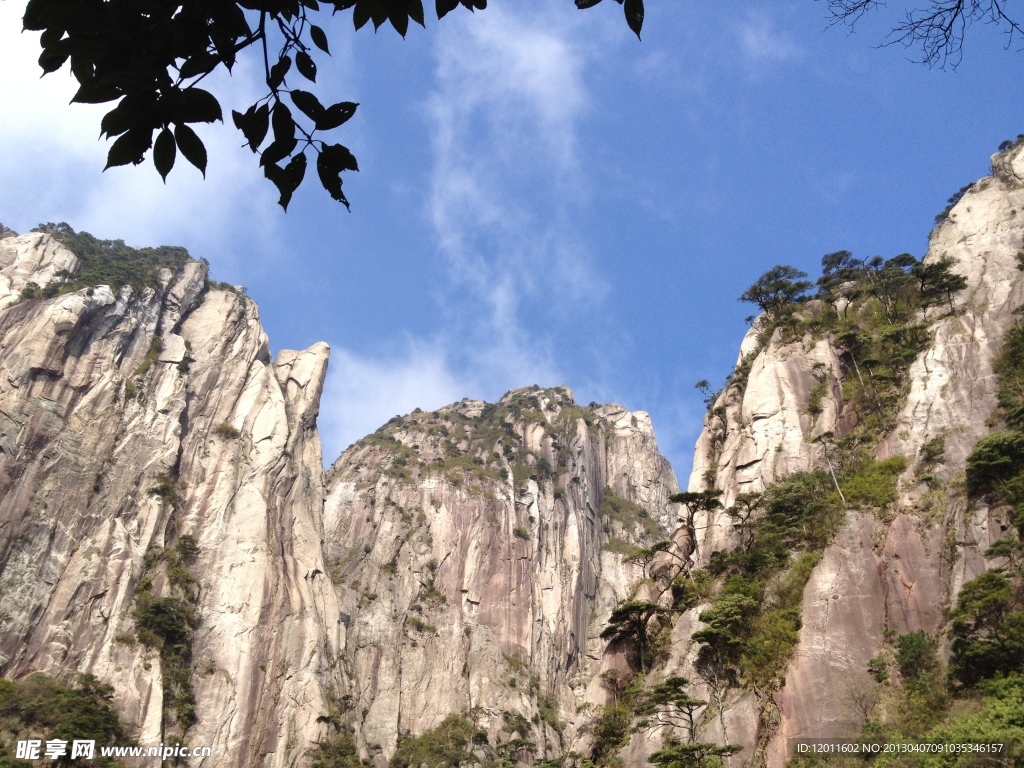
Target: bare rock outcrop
point(902, 572)
point(129, 419)
point(476, 565)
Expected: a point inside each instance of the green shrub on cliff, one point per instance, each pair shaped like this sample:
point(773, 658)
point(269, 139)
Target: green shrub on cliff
point(445, 746)
point(43, 707)
point(111, 262)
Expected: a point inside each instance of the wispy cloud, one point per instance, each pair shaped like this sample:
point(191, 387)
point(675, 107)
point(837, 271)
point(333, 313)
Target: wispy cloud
point(504, 116)
point(763, 43)
point(363, 393)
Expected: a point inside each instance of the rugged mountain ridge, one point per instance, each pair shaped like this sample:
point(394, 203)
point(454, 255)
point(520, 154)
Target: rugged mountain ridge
point(130, 419)
point(897, 572)
point(162, 488)
point(474, 549)
point(166, 524)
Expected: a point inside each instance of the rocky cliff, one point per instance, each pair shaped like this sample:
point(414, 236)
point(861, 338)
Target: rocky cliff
point(479, 550)
point(167, 527)
point(891, 572)
point(166, 524)
point(134, 419)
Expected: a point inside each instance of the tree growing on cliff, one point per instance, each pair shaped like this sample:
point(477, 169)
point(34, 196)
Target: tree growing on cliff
point(150, 58)
point(630, 621)
point(777, 290)
point(988, 629)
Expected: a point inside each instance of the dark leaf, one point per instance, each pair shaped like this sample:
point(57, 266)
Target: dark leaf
point(305, 65)
point(287, 179)
point(191, 146)
point(415, 11)
point(278, 71)
point(400, 21)
point(33, 12)
point(133, 110)
point(75, 18)
point(330, 178)
point(50, 37)
point(361, 15)
point(90, 93)
point(296, 170)
point(277, 151)
point(340, 157)
point(634, 10)
point(200, 64)
point(335, 115)
point(445, 6)
point(195, 105)
point(584, 4)
point(283, 123)
point(129, 148)
point(53, 57)
point(319, 38)
point(164, 151)
point(308, 104)
point(253, 124)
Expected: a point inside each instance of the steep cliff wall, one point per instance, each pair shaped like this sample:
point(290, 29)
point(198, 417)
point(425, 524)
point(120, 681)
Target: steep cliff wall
point(166, 524)
point(162, 504)
point(477, 553)
point(900, 570)
point(131, 419)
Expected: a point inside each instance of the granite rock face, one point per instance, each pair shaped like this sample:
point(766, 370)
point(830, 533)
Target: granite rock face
point(451, 563)
point(900, 573)
point(96, 417)
point(470, 553)
point(459, 562)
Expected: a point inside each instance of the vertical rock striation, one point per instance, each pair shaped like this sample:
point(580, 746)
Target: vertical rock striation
point(475, 564)
point(900, 573)
point(128, 420)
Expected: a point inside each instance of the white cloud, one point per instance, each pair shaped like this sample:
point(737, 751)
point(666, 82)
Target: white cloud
point(505, 115)
point(763, 44)
point(363, 391)
point(361, 394)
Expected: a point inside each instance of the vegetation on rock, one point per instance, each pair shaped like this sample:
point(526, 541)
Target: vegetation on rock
point(107, 262)
point(42, 707)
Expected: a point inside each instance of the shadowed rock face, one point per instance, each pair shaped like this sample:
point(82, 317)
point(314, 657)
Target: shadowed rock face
point(466, 548)
point(88, 429)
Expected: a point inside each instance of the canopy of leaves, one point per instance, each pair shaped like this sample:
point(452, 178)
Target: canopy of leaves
point(988, 629)
point(995, 460)
point(151, 57)
point(696, 755)
point(630, 620)
point(777, 290)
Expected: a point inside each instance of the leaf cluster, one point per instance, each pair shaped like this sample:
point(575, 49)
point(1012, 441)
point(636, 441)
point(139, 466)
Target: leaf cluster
point(149, 58)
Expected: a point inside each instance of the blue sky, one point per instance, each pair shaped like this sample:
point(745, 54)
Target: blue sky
point(544, 199)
